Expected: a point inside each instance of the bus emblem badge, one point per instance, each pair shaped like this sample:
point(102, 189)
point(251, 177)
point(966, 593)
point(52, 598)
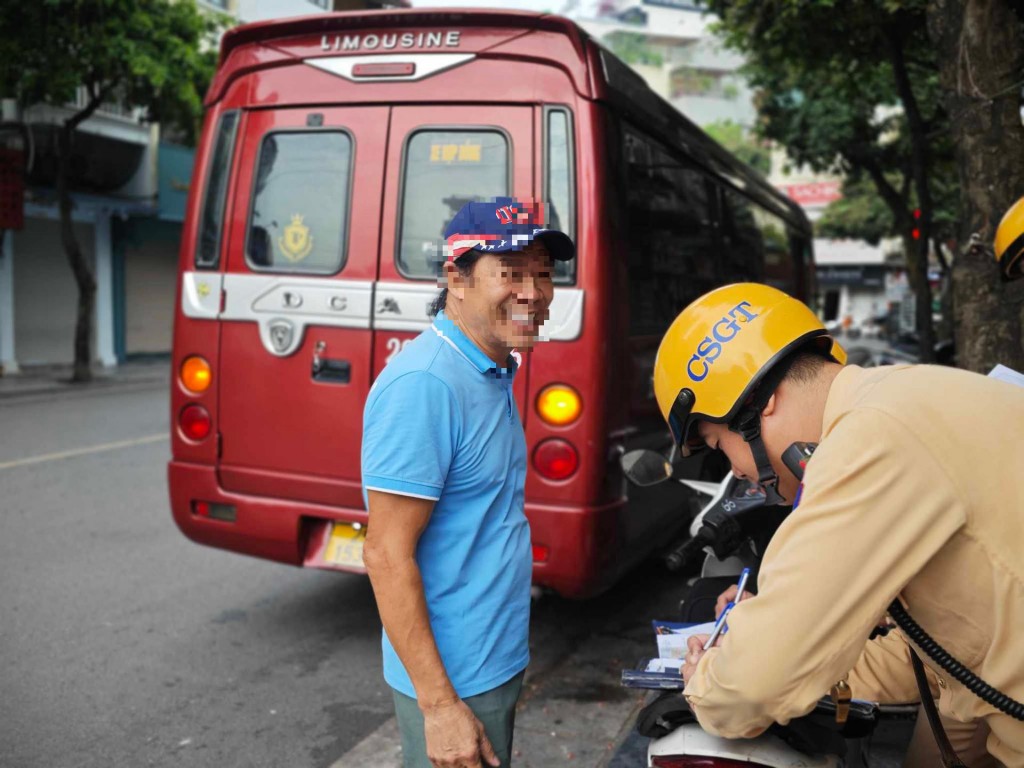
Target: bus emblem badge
point(389, 304)
point(281, 334)
point(296, 243)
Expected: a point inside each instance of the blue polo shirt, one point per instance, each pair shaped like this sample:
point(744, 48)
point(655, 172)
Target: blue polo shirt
point(441, 423)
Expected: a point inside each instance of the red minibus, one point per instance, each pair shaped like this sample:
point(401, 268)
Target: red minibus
point(334, 150)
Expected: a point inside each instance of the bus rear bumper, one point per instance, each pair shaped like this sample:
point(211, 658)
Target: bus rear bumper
point(584, 551)
point(265, 527)
point(578, 548)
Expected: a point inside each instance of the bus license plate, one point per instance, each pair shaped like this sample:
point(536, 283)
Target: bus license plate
point(345, 547)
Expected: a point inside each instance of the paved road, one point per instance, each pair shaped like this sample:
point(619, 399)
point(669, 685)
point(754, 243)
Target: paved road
point(123, 644)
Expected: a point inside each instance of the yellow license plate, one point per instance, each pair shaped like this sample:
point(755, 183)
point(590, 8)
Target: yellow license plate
point(345, 546)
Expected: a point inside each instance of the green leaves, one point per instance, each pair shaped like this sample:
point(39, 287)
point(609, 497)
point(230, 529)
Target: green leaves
point(155, 54)
point(826, 88)
point(734, 138)
point(860, 214)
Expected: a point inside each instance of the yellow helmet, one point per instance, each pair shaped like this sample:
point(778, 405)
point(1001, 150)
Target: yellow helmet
point(720, 348)
point(1009, 244)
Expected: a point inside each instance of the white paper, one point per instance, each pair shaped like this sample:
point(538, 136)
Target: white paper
point(664, 665)
point(673, 645)
point(1008, 375)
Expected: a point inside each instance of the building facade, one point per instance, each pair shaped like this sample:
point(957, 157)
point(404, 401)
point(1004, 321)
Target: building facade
point(669, 44)
point(128, 188)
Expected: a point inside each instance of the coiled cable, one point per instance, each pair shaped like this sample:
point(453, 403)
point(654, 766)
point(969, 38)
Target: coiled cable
point(959, 672)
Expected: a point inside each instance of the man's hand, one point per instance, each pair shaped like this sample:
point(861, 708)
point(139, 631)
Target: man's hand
point(455, 738)
point(695, 652)
point(729, 596)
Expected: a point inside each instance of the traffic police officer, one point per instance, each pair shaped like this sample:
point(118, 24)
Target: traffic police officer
point(914, 491)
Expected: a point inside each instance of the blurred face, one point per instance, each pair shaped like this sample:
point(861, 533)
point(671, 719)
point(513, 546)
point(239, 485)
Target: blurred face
point(505, 300)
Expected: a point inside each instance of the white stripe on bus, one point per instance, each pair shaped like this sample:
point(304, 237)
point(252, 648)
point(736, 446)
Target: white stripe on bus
point(330, 302)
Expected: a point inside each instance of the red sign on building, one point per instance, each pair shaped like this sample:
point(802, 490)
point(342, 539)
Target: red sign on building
point(815, 193)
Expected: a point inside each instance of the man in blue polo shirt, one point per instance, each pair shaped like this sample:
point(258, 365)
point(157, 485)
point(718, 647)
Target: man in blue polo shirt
point(444, 463)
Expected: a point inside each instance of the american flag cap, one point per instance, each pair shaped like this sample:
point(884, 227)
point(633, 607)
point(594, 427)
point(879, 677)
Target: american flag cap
point(502, 225)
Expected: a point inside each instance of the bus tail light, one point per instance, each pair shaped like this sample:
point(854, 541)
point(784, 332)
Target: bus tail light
point(540, 553)
point(195, 374)
point(214, 511)
point(559, 404)
point(555, 459)
point(195, 422)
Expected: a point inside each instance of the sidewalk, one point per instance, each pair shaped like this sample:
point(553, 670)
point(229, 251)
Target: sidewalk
point(54, 379)
point(573, 711)
point(576, 716)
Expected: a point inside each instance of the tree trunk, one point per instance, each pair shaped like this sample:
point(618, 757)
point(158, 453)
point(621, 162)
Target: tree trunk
point(917, 250)
point(981, 55)
point(79, 265)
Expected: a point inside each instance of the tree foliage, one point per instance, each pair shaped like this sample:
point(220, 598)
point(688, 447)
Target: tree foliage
point(155, 54)
point(734, 138)
point(853, 87)
point(860, 214)
point(633, 48)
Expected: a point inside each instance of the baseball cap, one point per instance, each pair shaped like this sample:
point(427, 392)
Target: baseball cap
point(502, 225)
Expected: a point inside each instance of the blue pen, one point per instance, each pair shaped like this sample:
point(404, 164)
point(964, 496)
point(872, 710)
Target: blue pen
point(719, 626)
point(742, 585)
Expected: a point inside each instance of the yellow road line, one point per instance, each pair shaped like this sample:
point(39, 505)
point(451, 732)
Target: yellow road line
point(83, 451)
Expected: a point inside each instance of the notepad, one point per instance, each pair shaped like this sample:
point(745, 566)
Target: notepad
point(672, 637)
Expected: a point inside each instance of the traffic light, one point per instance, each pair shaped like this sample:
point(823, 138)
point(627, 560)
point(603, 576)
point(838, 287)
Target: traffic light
point(916, 231)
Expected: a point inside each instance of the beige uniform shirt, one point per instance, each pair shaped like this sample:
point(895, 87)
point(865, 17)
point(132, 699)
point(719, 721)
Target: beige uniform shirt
point(916, 489)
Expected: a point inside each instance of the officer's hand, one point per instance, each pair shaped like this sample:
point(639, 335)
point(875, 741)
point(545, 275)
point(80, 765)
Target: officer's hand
point(729, 596)
point(455, 738)
point(695, 652)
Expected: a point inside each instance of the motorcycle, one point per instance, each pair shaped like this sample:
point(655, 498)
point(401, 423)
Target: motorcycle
point(730, 533)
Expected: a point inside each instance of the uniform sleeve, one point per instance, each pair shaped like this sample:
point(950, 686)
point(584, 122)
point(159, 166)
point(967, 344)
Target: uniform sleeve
point(883, 672)
point(410, 434)
point(876, 507)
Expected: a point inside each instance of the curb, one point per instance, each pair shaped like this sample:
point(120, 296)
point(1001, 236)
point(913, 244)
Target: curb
point(34, 384)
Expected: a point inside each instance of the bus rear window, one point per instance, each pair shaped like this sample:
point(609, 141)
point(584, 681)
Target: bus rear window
point(443, 171)
point(300, 202)
point(559, 189)
point(212, 223)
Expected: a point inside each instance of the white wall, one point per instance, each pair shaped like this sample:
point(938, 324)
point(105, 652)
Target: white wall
point(261, 10)
point(690, 45)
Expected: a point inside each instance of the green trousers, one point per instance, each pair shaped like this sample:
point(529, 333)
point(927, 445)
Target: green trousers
point(495, 708)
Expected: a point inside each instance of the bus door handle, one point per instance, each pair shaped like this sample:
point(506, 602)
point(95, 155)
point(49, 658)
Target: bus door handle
point(332, 371)
point(329, 371)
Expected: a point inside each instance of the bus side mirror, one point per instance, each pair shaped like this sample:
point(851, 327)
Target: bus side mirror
point(645, 467)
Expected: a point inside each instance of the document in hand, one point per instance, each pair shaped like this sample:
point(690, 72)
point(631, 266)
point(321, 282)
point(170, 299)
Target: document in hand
point(665, 672)
point(672, 637)
point(1009, 375)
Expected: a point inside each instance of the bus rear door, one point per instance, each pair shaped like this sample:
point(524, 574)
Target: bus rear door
point(440, 158)
point(295, 363)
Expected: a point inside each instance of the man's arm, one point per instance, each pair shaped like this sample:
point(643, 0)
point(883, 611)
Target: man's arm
point(454, 736)
point(877, 507)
